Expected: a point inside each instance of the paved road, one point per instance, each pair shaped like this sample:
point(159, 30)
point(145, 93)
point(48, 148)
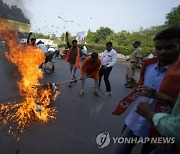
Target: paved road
point(79, 120)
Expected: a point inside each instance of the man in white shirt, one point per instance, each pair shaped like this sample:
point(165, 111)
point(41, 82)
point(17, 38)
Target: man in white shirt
point(108, 60)
point(42, 46)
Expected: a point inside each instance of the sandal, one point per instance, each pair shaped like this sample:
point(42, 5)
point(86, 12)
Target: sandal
point(96, 94)
point(70, 84)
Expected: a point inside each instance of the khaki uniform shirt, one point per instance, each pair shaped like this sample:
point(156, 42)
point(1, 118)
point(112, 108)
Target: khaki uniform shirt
point(136, 55)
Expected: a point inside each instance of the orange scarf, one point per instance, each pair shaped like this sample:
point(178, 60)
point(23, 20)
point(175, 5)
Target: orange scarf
point(77, 62)
point(170, 86)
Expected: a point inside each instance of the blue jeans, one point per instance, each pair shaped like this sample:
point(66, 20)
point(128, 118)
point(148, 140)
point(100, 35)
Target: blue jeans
point(72, 71)
point(126, 148)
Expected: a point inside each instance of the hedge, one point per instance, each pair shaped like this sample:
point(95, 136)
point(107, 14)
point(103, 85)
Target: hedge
point(125, 50)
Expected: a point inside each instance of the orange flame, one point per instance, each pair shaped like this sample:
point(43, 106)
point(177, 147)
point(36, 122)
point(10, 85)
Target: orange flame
point(36, 101)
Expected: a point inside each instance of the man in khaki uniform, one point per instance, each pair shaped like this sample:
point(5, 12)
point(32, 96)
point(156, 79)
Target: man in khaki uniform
point(135, 59)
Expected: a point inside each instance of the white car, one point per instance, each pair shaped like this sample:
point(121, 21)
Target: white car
point(51, 49)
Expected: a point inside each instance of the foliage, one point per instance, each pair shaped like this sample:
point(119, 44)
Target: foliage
point(90, 37)
point(125, 50)
point(12, 13)
point(101, 34)
point(173, 18)
point(122, 41)
point(40, 35)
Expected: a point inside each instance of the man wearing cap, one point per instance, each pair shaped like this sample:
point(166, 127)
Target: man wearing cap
point(135, 59)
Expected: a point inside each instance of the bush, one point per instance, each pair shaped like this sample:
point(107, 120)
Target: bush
point(125, 50)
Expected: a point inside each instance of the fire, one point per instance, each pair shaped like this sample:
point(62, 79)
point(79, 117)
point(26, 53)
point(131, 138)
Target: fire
point(36, 99)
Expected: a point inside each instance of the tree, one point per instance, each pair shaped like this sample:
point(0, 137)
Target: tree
point(40, 35)
point(90, 39)
point(12, 13)
point(173, 18)
point(122, 37)
point(101, 34)
point(113, 37)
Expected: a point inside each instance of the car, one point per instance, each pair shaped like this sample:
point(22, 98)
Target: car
point(22, 37)
point(52, 49)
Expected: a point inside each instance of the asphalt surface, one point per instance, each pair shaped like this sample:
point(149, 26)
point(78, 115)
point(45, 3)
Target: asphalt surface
point(79, 119)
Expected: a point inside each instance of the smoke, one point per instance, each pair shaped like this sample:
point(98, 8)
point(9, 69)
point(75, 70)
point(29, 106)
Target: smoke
point(22, 4)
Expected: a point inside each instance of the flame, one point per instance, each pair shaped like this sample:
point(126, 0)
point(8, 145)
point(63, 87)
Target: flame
point(36, 101)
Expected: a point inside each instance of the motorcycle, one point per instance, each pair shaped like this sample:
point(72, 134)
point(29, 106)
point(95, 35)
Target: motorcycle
point(48, 66)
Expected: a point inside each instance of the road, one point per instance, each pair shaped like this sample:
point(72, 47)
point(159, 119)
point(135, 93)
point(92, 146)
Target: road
point(78, 121)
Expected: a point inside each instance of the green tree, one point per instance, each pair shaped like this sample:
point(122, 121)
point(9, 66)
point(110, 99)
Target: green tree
point(173, 18)
point(12, 13)
point(113, 38)
point(90, 38)
point(101, 34)
point(40, 35)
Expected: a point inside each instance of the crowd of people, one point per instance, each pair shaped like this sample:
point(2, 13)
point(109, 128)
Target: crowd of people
point(156, 105)
point(92, 67)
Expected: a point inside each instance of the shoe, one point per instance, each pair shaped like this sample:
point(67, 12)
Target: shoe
point(98, 88)
point(96, 93)
point(70, 84)
point(74, 80)
point(81, 94)
point(129, 86)
point(126, 84)
point(108, 93)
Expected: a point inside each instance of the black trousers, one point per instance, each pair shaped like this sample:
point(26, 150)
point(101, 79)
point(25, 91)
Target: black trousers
point(106, 72)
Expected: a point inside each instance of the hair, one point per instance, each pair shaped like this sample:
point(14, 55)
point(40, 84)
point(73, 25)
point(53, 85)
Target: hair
point(73, 41)
point(109, 44)
point(33, 39)
point(137, 42)
point(94, 55)
point(169, 33)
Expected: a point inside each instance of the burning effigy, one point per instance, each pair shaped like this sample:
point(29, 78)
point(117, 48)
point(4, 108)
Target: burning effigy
point(36, 97)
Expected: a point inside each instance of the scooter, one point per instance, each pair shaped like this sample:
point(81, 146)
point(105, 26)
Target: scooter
point(48, 66)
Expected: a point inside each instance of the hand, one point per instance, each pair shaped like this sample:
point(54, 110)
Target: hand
point(90, 76)
point(145, 110)
point(104, 66)
point(67, 34)
point(146, 91)
point(82, 77)
point(30, 33)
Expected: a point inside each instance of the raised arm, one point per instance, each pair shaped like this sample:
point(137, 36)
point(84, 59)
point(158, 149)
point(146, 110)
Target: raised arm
point(67, 40)
point(29, 37)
